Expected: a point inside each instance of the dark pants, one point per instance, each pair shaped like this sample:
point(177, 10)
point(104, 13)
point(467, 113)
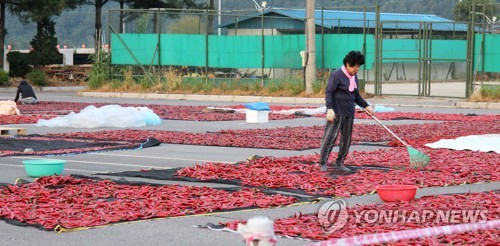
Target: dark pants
point(342, 125)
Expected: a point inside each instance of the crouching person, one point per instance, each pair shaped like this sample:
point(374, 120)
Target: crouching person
point(25, 91)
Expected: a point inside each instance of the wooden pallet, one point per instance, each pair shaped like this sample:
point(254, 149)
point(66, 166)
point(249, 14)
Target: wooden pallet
point(9, 131)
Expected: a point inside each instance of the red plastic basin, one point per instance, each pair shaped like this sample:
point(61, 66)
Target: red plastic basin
point(396, 193)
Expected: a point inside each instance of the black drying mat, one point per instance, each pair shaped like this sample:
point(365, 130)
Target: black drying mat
point(16, 144)
point(43, 145)
point(169, 174)
point(136, 183)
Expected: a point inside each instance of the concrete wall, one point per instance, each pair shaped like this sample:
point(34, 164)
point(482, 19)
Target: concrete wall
point(67, 55)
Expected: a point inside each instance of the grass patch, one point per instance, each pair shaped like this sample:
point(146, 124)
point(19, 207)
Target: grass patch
point(487, 93)
point(172, 83)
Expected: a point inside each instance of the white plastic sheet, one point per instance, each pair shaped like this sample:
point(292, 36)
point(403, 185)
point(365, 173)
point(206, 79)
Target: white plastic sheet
point(483, 143)
point(106, 116)
point(9, 108)
point(308, 111)
point(378, 108)
point(322, 110)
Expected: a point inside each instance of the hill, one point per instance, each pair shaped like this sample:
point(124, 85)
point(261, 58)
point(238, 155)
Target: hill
point(76, 27)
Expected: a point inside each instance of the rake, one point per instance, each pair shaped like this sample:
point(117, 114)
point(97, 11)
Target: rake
point(417, 158)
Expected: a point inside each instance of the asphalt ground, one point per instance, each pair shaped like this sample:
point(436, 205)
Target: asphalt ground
point(180, 231)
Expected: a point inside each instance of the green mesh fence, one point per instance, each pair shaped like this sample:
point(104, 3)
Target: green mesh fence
point(134, 48)
point(394, 50)
point(491, 53)
point(282, 51)
point(232, 51)
point(449, 49)
point(337, 46)
point(182, 49)
point(400, 50)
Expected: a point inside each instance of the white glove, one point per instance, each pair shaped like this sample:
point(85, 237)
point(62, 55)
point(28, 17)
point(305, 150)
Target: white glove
point(369, 110)
point(330, 115)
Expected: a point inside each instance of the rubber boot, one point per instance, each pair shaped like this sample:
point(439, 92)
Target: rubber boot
point(324, 168)
point(341, 168)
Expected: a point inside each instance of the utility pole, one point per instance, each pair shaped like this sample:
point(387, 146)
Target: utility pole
point(310, 46)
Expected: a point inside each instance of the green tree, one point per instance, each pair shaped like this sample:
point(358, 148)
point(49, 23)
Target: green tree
point(36, 10)
point(44, 45)
point(4, 78)
point(172, 4)
point(462, 10)
point(187, 25)
point(18, 64)
point(142, 24)
point(169, 4)
point(98, 4)
point(3, 31)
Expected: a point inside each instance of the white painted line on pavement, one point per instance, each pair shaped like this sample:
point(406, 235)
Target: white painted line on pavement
point(164, 158)
point(11, 165)
point(80, 170)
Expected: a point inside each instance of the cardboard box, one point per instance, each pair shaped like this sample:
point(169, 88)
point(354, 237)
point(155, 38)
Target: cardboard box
point(254, 116)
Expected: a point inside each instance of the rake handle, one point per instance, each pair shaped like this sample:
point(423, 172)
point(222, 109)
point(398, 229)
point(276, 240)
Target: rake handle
point(386, 128)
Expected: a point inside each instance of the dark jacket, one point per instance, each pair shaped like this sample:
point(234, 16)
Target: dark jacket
point(25, 90)
point(339, 98)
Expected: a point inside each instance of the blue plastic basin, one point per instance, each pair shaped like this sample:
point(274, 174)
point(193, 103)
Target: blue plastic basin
point(43, 167)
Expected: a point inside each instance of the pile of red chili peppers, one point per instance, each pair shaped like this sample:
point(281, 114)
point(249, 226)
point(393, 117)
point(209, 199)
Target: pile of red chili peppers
point(71, 202)
point(479, 206)
point(299, 173)
point(78, 202)
point(298, 138)
point(47, 110)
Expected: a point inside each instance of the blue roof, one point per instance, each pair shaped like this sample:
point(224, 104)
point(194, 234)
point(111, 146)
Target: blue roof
point(353, 19)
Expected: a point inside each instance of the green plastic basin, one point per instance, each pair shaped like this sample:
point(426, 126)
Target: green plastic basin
point(43, 167)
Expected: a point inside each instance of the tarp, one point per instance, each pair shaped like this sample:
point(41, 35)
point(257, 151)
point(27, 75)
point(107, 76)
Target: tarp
point(27, 144)
point(171, 174)
point(105, 116)
point(8, 108)
point(258, 106)
point(54, 145)
point(483, 143)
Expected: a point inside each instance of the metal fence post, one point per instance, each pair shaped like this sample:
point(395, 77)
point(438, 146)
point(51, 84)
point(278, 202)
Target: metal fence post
point(206, 47)
point(262, 43)
point(378, 53)
point(469, 83)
